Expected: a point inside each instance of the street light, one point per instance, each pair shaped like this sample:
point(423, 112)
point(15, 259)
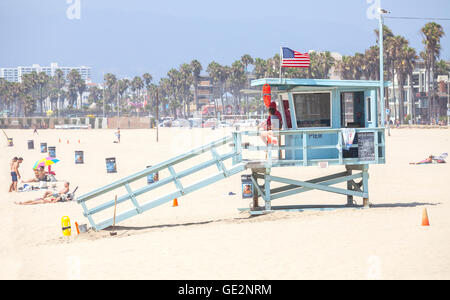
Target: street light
point(448, 100)
point(380, 32)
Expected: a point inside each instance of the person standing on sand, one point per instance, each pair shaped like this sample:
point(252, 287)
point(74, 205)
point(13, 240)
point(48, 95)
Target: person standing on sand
point(118, 135)
point(15, 175)
point(35, 130)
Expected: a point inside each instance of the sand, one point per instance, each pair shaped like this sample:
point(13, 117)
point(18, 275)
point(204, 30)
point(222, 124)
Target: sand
point(206, 237)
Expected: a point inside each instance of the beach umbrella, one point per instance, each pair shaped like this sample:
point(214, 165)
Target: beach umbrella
point(45, 162)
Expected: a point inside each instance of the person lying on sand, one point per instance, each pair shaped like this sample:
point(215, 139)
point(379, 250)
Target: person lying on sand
point(428, 160)
point(48, 197)
point(431, 159)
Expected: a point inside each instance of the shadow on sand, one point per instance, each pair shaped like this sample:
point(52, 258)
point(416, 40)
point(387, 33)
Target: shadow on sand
point(396, 205)
point(123, 230)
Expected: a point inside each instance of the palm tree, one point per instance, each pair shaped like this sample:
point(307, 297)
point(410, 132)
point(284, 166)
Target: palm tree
point(345, 67)
point(432, 34)
point(273, 66)
point(196, 69)
point(387, 33)
point(172, 89)
point(110, 83)
point(216, 73)
point(372, 59)
point(246, 59)
point(122, 87)
point(394, 47)
point(403, 69)
point(442, 67)
point(238, 79)
point(95, 95)
point(260, 68)
point(147, 82)
point(81, 87)
point(326, 62)
point(136, 86)
point(59, 82)
point(164, 88)
point(74, 86)
point(185, 83)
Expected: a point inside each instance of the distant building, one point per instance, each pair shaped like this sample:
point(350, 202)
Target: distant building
point(204, 90)
point(15, 74)
point(417, 92)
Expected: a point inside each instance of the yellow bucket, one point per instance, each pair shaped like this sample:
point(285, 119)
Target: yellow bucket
point(66, 229)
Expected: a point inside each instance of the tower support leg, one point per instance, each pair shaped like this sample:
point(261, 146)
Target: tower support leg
point(268, 204)
point(255, 191)
point(365, 180)
point(349, 187)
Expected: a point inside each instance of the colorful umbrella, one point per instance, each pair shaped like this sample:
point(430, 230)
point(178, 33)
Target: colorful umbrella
point(45, 162)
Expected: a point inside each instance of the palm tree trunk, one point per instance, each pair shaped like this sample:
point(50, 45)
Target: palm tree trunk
point(196, 94)
point(412, 99)
point(430, 115)
point(393, 93)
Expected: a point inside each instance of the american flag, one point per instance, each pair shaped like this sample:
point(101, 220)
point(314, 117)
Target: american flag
point(294, 59)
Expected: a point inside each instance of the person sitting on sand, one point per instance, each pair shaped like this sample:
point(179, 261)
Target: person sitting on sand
point(39, 175)
point(35, 179)
point(48, 197)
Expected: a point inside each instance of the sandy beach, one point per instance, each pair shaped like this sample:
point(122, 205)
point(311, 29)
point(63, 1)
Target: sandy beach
point(206, 237)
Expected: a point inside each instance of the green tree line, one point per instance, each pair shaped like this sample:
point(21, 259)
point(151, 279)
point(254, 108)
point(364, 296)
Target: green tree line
point(179, 88)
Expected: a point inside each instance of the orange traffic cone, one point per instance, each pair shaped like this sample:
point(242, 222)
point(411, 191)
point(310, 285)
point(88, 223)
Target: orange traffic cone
point(425, 221)
point(175, 202)
point(60, 140)
point(67, 141)
point(78, 141)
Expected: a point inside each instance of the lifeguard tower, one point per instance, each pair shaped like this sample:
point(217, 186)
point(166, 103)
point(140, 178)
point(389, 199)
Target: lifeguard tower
point(317, 116)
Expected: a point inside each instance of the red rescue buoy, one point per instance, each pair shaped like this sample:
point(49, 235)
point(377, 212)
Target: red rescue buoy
point(267, 95)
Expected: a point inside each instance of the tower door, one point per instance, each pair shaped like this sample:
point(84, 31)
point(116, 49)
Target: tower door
point(352, 110)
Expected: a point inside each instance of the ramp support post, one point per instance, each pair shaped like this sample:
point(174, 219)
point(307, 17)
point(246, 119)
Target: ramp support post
point(268, 204)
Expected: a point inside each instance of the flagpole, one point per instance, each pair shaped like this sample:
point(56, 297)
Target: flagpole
point(281, 60)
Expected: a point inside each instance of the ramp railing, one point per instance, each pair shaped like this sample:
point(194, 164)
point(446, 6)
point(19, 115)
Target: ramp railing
point(180, 190)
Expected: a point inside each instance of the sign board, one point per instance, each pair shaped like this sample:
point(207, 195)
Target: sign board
point(442, 78)
point(366, 146)
point(247, 186)
point(323, 164)
point(448, 112)
point(388, 111)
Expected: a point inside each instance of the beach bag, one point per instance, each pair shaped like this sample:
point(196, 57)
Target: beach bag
point(42, 184)
point(51, 178)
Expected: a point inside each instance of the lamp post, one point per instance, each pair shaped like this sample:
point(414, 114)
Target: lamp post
point(448, 100)
point(381, 41)
point(104, 99)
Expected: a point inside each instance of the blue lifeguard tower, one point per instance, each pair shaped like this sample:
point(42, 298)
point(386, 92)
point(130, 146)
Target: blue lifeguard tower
point(317, 116)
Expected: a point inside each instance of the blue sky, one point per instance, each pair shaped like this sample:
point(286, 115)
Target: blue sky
point(131, 37)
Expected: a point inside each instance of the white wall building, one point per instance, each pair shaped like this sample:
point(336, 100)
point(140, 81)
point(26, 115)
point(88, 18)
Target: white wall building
point(15, 74)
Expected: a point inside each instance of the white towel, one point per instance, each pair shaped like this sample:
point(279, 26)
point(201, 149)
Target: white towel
point(349, 135)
